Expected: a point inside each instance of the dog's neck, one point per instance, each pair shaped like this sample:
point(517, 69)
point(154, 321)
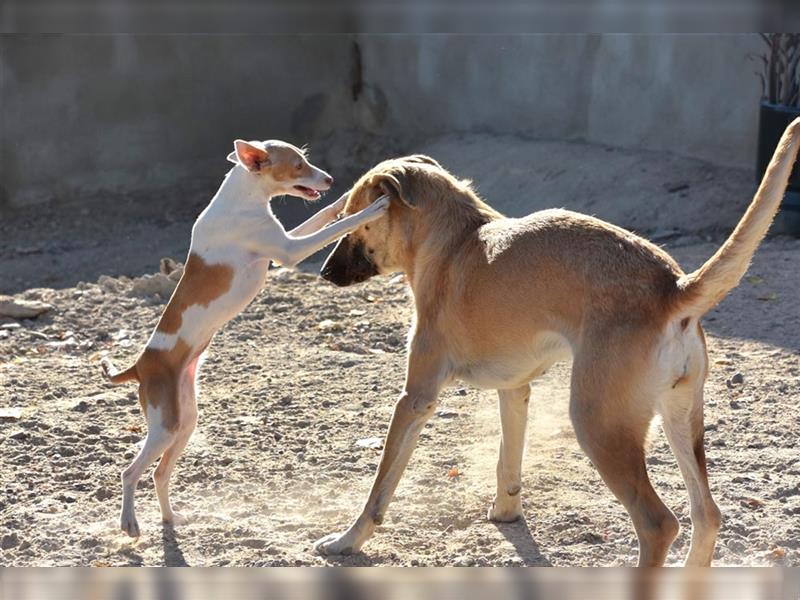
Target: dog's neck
point(436, 245)
point(245, 189)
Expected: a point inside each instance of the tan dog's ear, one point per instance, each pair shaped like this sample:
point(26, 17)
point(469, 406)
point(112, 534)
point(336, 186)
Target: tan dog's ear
point(397, 185)
point(250, 156)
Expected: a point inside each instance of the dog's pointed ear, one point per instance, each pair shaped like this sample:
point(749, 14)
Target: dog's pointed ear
point(249, 155)
point(398, 185)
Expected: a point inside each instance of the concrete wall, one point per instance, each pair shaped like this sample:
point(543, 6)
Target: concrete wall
point(82, 114)
point(686, 94)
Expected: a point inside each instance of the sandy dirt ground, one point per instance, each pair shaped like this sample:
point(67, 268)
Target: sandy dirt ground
point(308, 371)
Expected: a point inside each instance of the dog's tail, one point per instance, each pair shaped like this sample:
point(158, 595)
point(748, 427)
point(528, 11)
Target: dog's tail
point(115, 376)
point(703, 289)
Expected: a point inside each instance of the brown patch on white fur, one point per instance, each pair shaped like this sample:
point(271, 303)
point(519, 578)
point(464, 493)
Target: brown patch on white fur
point(160, 378)
point(200, 284)
point(288, 163)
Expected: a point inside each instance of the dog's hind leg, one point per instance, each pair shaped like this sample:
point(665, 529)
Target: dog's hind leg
point(186, 425)
point(507, 505)
point(682, 420)
point(159, 438)
point(611, 419)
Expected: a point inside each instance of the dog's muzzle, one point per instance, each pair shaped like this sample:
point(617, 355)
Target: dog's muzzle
point(348, 264)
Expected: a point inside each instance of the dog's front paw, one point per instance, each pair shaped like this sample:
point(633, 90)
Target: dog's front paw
point(129, 525)
point(176, 519)
point(505, 512)
point(335, 543)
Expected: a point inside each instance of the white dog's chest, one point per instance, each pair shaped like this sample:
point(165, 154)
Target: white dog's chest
point(519, 367)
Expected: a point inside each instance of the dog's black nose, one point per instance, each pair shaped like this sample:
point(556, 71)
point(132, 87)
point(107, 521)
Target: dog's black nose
point(333, 274)
point(329, 180)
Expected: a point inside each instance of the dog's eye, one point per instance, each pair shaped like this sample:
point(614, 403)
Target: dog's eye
point(366, 227)
point(299, 166)
point(370, 250)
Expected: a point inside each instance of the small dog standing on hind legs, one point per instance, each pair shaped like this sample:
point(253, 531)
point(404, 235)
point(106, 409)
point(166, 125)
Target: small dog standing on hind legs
point(233, 241)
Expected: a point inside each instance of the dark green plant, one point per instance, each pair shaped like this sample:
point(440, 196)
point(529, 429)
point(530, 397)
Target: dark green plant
point(780, 74)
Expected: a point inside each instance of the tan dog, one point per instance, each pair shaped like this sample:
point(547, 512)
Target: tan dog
point(499, 300)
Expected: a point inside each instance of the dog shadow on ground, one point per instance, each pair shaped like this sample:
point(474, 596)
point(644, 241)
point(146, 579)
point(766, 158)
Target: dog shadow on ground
point(519, 534)
point(173, 555)
point(358, 559)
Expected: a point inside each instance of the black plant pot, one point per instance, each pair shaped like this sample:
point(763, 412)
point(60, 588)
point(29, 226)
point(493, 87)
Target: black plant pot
point(772, 122)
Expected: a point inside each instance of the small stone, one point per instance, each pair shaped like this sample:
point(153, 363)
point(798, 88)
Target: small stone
point(19, 435)
point(329, 326)
point(752, 503)
point(10, 413)
point(67, 498)
point(281, 274)
point(446, 414)
point(737, 379)
point(465, 561)
point(370, 442)
point(103, 494)
point(167, 265)
point(81, 406)
point(17, 308)
point(9, 541)
point(736, 546)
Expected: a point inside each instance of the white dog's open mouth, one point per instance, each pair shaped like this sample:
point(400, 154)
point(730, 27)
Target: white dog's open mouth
point(307, 191)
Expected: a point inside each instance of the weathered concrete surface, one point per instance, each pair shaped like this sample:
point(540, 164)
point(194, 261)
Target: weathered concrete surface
point(81, 115)
point(686, 94)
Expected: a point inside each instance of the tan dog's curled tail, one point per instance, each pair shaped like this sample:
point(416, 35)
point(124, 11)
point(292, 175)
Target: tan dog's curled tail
point(116, 377)
point(703, 289)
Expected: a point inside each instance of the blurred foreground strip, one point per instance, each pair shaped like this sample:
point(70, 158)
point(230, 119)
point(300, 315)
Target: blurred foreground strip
point(400, 584)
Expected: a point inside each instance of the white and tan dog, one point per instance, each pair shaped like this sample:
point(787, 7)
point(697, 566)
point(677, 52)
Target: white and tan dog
point(233, 241)
point(499, 300)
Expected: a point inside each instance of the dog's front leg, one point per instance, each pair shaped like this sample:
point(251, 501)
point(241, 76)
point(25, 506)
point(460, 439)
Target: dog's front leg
point(320, 219)
point(291, 250)
point(507, 505)
point(425, 378)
